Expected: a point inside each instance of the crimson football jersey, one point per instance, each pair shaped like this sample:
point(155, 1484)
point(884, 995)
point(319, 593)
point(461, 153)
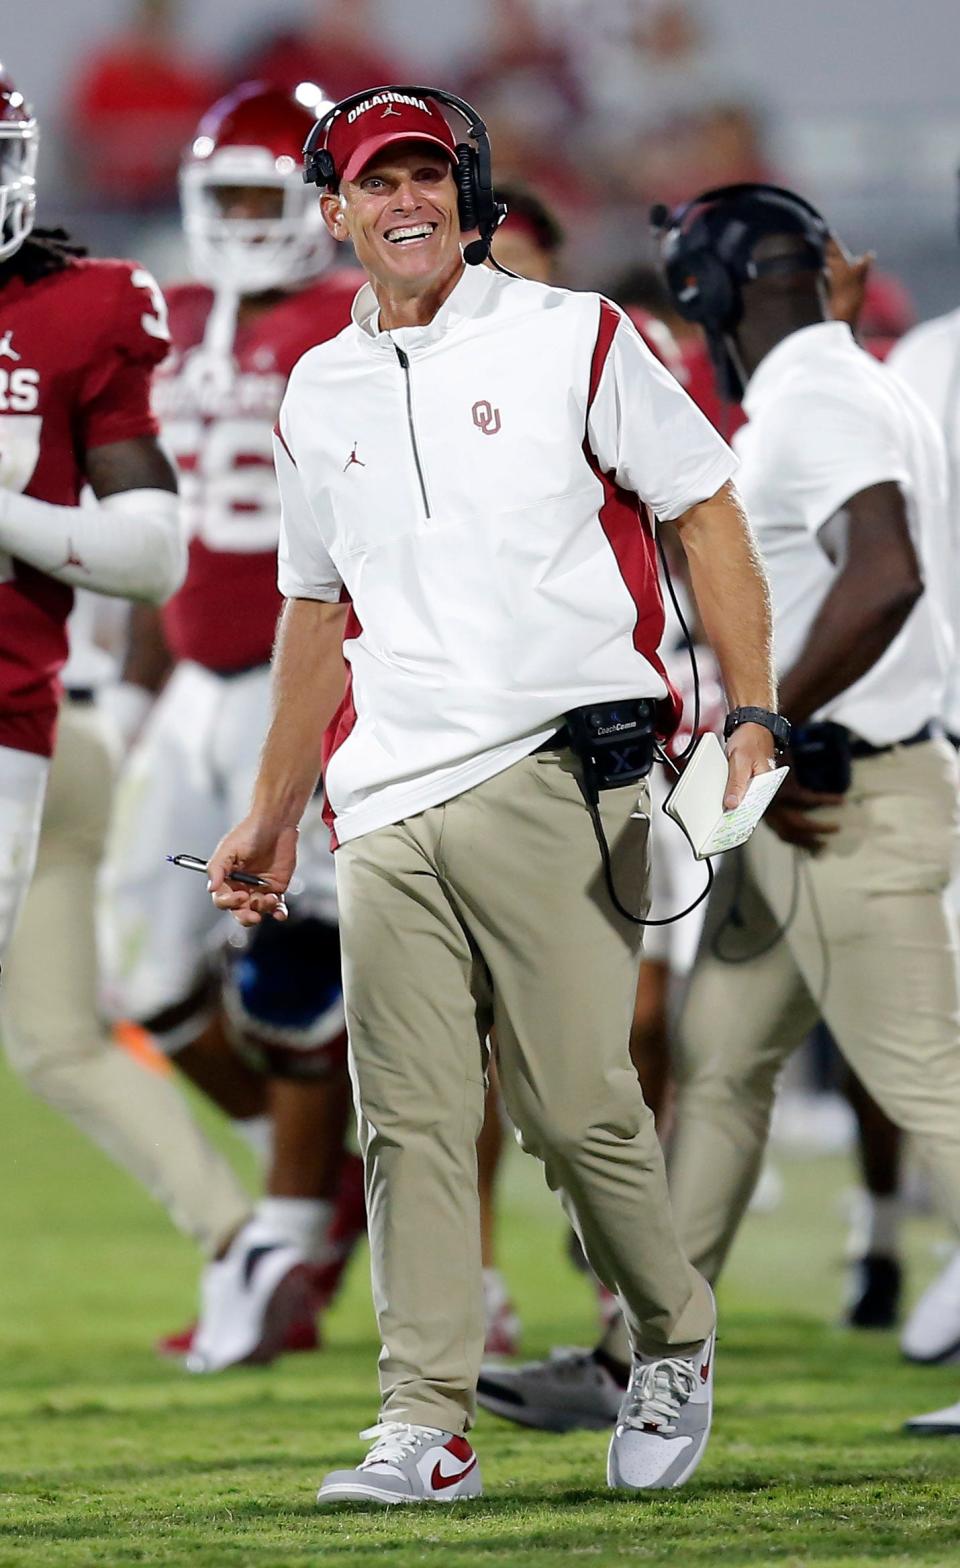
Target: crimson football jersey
point(77, 351)
point(217, 416)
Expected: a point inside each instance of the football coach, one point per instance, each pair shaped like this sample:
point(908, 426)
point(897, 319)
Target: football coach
point(469, 477)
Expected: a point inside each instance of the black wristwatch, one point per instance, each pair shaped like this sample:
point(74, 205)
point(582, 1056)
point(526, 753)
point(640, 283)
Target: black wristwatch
point(778, 726)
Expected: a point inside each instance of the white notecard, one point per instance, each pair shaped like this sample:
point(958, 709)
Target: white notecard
point(696, 801)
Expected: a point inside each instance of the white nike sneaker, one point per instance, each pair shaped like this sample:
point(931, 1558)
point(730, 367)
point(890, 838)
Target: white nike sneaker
point(932, 1331)
point(939, 1423)
point(569, 1392)
point(664, 1421)
point(407, 1464)
point(248, 1299)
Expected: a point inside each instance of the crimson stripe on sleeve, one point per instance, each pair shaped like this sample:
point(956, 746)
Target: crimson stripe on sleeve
point(606, 331)
point(279, 435)
point(629, 531)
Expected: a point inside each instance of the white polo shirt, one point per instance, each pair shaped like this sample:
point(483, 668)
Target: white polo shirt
point(482, 491)
point(825, 422)
point(928, 359)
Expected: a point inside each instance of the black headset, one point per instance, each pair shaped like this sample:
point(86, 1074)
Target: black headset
point(707, 257)
point(477, 204)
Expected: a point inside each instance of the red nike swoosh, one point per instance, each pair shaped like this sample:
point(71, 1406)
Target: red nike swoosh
point(438, 1480)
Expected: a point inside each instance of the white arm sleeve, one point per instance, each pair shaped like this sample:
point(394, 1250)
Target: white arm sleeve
point(305, 570)
point(645, 430)
point(131, 544)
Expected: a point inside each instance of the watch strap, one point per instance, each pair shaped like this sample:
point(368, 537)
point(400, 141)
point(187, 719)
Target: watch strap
point(778, 726)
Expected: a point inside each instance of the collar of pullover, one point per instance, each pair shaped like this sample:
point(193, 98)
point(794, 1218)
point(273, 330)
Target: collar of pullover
point(465, 301)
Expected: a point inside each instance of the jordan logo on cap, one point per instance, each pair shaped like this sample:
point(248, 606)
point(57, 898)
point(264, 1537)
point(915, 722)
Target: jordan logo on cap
point(390, 110)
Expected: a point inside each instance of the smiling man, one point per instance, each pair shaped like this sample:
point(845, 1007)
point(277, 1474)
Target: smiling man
point(469, 475)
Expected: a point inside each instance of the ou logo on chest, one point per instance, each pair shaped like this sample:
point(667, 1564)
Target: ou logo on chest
point(486, 417)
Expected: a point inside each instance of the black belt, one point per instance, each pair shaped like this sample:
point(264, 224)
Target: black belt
point(858, 748)
point(862, 748)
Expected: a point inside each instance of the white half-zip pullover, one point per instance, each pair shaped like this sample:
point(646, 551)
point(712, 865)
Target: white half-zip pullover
point(482, 489)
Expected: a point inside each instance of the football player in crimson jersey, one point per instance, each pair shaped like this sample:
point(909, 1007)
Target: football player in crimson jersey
point(274, 1059)
point(79, 339)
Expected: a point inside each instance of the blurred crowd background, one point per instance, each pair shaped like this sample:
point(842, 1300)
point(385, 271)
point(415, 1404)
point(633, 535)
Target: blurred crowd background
point(601, 105)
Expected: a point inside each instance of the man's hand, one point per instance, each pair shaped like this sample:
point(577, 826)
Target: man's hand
point(794, 815)
point(749, 752)
point(847, 276)
point(262, 850)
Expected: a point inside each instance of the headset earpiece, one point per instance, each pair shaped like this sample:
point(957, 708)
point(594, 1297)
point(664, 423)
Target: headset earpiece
point(326, 172)
point(703, 290)
point(467, 187)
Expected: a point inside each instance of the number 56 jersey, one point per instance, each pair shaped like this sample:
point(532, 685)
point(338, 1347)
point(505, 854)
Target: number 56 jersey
point(217, 411)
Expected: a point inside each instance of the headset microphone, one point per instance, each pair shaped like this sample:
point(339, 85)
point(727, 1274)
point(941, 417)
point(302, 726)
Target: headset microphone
point(477, 251)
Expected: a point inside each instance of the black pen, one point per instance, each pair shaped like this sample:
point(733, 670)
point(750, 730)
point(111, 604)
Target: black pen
point(193, 863)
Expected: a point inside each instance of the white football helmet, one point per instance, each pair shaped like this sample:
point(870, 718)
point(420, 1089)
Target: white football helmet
point(252, 138)
point(19, 140)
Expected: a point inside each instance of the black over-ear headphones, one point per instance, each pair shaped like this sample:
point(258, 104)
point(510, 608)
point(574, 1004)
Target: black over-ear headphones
point(707, 246)
point(706, 262)
point(477, 205)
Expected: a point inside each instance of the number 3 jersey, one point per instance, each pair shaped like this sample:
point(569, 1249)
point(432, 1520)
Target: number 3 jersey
point(217, 411)
point(77, 350)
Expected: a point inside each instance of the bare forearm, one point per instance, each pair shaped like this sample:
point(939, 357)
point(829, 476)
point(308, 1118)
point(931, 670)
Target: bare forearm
point(147, 661)
point(308, 682)
point(732, 595)
point(851, 632)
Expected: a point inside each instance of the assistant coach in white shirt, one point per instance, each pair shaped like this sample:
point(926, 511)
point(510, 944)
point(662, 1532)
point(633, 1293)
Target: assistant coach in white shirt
point(836, 907)
point(469, 475)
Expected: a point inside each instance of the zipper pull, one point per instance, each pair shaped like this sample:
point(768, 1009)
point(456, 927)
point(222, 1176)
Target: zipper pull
point(401, 355)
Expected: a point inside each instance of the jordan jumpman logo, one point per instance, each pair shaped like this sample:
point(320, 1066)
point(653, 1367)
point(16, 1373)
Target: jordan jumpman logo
point(353, 458)
point(6, 345)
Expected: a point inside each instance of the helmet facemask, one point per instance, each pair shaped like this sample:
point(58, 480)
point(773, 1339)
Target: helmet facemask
point(251, 255)
point(18, 186)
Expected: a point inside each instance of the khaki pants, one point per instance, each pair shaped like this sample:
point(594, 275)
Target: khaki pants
point(52, 1030)
point(492, 909)
point(870, 946)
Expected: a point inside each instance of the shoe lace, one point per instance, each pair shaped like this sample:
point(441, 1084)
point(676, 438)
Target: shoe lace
point(658, 1392)
point(394, 1441)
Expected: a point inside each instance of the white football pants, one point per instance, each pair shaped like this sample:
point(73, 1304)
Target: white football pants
point(52, 1031)
point(23, 781)
point(188, 780)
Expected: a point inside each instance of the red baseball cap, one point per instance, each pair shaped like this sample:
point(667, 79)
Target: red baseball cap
point(385, 116)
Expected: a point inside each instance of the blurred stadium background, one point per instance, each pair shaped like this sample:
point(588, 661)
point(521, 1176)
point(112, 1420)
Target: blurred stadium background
point(605, 104)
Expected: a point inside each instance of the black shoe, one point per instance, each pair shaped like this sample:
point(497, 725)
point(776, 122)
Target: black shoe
point(875, 1284)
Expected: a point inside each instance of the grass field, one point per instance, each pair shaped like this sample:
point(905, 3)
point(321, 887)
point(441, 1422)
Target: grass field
point(109, 1457)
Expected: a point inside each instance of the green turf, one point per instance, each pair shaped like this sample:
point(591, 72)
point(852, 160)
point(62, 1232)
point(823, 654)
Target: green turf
point(109, 1457)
